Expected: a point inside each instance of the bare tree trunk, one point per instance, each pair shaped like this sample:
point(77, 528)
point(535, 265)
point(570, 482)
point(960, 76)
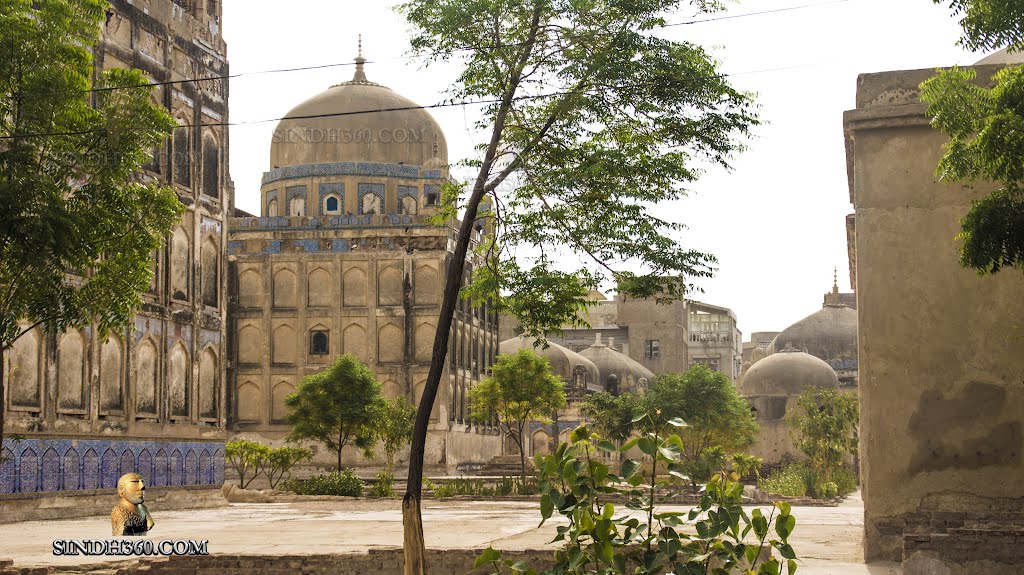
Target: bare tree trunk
point(522, 458)
point(341, 445)
point(414, 547)
point(415, 562)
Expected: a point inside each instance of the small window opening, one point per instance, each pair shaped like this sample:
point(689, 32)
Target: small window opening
point(318, 345)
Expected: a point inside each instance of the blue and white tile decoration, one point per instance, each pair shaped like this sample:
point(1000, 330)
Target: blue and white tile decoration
point(44, 465)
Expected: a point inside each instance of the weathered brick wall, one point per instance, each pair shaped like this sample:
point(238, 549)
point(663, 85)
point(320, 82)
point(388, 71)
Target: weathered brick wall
point(992, 551)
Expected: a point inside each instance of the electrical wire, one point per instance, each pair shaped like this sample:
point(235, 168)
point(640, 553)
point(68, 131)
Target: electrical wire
point(384, 110)
point(440, 53)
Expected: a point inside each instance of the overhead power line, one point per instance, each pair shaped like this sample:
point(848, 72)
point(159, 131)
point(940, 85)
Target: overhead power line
point(392, 109)
point(446, 53)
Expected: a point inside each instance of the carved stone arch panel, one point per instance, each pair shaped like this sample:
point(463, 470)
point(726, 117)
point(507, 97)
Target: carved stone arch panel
point(146, 370)
point(209, 383)
point(391, 390)
point(353, 340)
point(211, 165)
point(209, 273)
point(112, 375)
point(272, 210)
point(279, 411)
point(320, 290)
point(178, 368)
point(426, 284)
point(250, 345)
point(24, 388)
point(390, 282)
point(71, 353)
point(424, 341)
point(284, 288)
point(182, 157)
point(180, 262)
point(390, 340)
point(418, 395)
point(408, 205)
point(250, 289)
point(283, 346)
point(541, 442)
point(250, 405)
point(354, 287)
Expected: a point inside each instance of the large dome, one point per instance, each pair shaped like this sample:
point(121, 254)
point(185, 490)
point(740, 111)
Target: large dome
point(788, 373)
point(358, 121)
point(828, 334)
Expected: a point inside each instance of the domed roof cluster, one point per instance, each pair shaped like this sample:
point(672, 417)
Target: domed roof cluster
point(627, 372)
point(563, 360)
point(788, 372)
point(359, 121)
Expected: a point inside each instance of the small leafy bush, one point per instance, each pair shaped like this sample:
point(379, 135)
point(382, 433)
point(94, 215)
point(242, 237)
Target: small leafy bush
point(799, 480)
point(344, 483)
point(480, 488)
point(245, 457)
point(718, 536)
point(384, 486)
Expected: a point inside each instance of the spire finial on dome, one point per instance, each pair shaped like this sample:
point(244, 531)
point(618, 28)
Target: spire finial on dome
point(835, 279)
point(360, 75)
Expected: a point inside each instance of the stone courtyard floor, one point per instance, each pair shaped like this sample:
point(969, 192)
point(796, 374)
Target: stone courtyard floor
point(827, 539)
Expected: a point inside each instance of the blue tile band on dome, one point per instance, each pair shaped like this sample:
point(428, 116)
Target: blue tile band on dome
point(44, 465)
point(350, 169)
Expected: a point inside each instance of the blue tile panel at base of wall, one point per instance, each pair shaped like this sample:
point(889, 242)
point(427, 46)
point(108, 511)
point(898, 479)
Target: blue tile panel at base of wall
point(42, 465)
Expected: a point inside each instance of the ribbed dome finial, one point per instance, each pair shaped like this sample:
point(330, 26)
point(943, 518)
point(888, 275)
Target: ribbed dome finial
point(360, 75)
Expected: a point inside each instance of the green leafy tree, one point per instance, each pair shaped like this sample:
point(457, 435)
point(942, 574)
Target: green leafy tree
point(984, 126)
point(591, 119)
point(245, 456)
point(280, 461)
point(71, 198)
point(825, 422)
point(989, 24)
point(521, 389)
point(336, 406)
point(719, 420)
point(394, 427)
point(612, 416)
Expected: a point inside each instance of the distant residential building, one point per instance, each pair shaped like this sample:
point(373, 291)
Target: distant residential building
point(714, 339)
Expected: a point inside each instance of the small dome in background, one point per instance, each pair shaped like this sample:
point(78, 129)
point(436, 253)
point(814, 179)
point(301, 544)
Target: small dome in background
point(595, 295)
point(627, 372)
point(563, 360)
point(788, 372)
point(829, 333)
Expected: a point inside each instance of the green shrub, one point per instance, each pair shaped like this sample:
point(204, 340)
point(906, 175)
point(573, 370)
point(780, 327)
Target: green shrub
point(343, 483)
point(384, 486)
point(788, 481)
point(479, 488)
point(799, 480)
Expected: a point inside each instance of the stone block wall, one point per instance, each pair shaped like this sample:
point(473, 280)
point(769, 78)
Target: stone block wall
point(941, 350)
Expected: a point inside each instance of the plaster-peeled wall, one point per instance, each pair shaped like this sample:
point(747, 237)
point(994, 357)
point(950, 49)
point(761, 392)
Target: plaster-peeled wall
point(941, 349)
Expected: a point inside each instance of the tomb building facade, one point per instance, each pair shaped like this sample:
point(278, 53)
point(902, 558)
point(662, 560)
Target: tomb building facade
point(80, 410)
point(345, 258)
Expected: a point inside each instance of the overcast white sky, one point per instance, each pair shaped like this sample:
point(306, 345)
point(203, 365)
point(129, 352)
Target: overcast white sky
point(776, 222)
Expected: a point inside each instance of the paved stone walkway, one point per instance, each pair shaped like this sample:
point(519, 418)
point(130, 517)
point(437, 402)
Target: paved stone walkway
point(828, 539)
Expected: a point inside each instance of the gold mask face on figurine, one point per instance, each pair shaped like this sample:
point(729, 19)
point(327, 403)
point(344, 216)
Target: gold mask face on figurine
point(130, 516)
point(131, 488)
